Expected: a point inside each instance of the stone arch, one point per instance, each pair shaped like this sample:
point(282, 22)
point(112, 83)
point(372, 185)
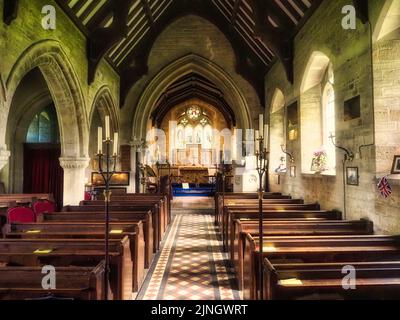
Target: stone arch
point(277, 136)
point(315, 70)
point(388, 20)
point(318, 72)
point(183, 66)
point(65, 90)
point(105, 104)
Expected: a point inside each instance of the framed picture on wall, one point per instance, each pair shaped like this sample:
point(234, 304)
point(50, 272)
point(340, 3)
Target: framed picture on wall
point(396, 165)
point(352, 177)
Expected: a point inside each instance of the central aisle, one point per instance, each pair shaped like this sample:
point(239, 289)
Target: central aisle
point(191, 264)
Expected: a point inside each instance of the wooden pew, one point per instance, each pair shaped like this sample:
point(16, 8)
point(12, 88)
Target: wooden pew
point(138, 196)
point(237, 197)
point(290, 228)
point(310, 212)
point(115, 217)
point(77, 283)
point(134, 231)
point(267, 204)
point(374, 280)
point(73, 252)
point(128, 207)
point(314, 249)
point(164, 200)
point(5, 199)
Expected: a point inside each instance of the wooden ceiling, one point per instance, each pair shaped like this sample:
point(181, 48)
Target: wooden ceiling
point(123, 31)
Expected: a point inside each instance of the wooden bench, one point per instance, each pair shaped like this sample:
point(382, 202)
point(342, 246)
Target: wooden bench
point(115, 217)
point(77, 283)
point(287, 212)
point(218, 199)
point(237, 201)
point(131, 208)
point(134, 231)
point(267, 204)
point(289, 228)
point(314, 249)
point(73, 252)
point(374, 280)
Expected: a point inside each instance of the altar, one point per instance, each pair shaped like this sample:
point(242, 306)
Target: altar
point(193, 174)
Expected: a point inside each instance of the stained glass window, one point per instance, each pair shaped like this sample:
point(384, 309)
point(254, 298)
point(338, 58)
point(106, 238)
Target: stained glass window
point(43, 128)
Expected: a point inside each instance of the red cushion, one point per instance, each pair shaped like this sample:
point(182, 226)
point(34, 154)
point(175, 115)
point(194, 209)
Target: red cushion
point(21, 215)
point(44, 206)
point(88, 196)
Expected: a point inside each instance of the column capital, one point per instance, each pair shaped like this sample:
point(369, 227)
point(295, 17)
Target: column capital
point(74, 163)
point(4, 155)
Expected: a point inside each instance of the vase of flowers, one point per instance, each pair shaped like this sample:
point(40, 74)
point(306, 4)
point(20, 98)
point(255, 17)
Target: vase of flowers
point(319, 161)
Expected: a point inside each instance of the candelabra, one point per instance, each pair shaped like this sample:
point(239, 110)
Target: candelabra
point(107, 174)
point(262, 156)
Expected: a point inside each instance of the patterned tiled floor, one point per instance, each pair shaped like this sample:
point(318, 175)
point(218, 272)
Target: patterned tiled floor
point(191, 265)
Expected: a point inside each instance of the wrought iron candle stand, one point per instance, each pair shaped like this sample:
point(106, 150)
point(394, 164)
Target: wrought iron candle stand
point(107, 175)
point(262, 168)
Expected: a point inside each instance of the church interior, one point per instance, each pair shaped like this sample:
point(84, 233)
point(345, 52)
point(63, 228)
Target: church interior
point(200, 150)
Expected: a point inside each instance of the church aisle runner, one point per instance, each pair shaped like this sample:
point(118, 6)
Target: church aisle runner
point(191, 265)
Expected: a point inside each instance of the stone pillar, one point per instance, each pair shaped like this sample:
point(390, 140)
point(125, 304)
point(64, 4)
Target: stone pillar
point(74, 179)
point(4, 155)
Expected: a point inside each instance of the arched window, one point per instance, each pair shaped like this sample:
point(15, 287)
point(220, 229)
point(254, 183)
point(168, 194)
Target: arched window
point(317, 110)
point(328, 113)
point(44, 127)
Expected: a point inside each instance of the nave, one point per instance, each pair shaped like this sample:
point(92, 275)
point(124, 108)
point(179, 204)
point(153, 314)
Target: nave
point(191, 264)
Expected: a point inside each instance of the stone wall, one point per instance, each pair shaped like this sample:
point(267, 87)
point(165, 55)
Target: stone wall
point(349, 51)
point(189, 35)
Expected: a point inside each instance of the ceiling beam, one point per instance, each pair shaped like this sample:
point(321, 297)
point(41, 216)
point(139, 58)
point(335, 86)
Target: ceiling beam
point(147, 11)
point(235, 12)
point(101, 40)
point(248, 64)
point(278, 39)
point(10, 11)
point(362, 10)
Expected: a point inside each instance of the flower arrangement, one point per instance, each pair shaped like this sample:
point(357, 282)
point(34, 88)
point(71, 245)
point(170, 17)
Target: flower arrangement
point(319, 161)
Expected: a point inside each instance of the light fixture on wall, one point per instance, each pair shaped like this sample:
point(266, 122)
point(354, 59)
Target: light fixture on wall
point(291, 157)
point(349, 155)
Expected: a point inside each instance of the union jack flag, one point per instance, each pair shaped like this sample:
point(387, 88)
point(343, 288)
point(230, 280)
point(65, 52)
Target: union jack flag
point(384, 188)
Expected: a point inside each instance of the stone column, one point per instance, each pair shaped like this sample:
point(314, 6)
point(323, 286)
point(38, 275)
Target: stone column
point(4, 155)
point(74, 179)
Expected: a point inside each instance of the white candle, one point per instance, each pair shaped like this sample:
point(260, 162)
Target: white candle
point(107, 120)
point(100, 140)
point(257, 136)
point(261, 125)
point(266, 136)
point(115, 143)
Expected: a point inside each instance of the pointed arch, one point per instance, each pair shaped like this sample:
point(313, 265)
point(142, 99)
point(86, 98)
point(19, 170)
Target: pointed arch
point(105, 104)
point(65, 90)
point(388, 20)
point(183, 66)
point(315, 70)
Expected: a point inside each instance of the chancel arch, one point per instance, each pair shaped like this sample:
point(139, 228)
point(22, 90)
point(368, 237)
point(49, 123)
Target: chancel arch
point(65, 90)
point(317, 116)
point(189, 64)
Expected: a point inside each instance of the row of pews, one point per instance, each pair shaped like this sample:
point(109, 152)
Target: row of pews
point(72, 241)
point(307, 252)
